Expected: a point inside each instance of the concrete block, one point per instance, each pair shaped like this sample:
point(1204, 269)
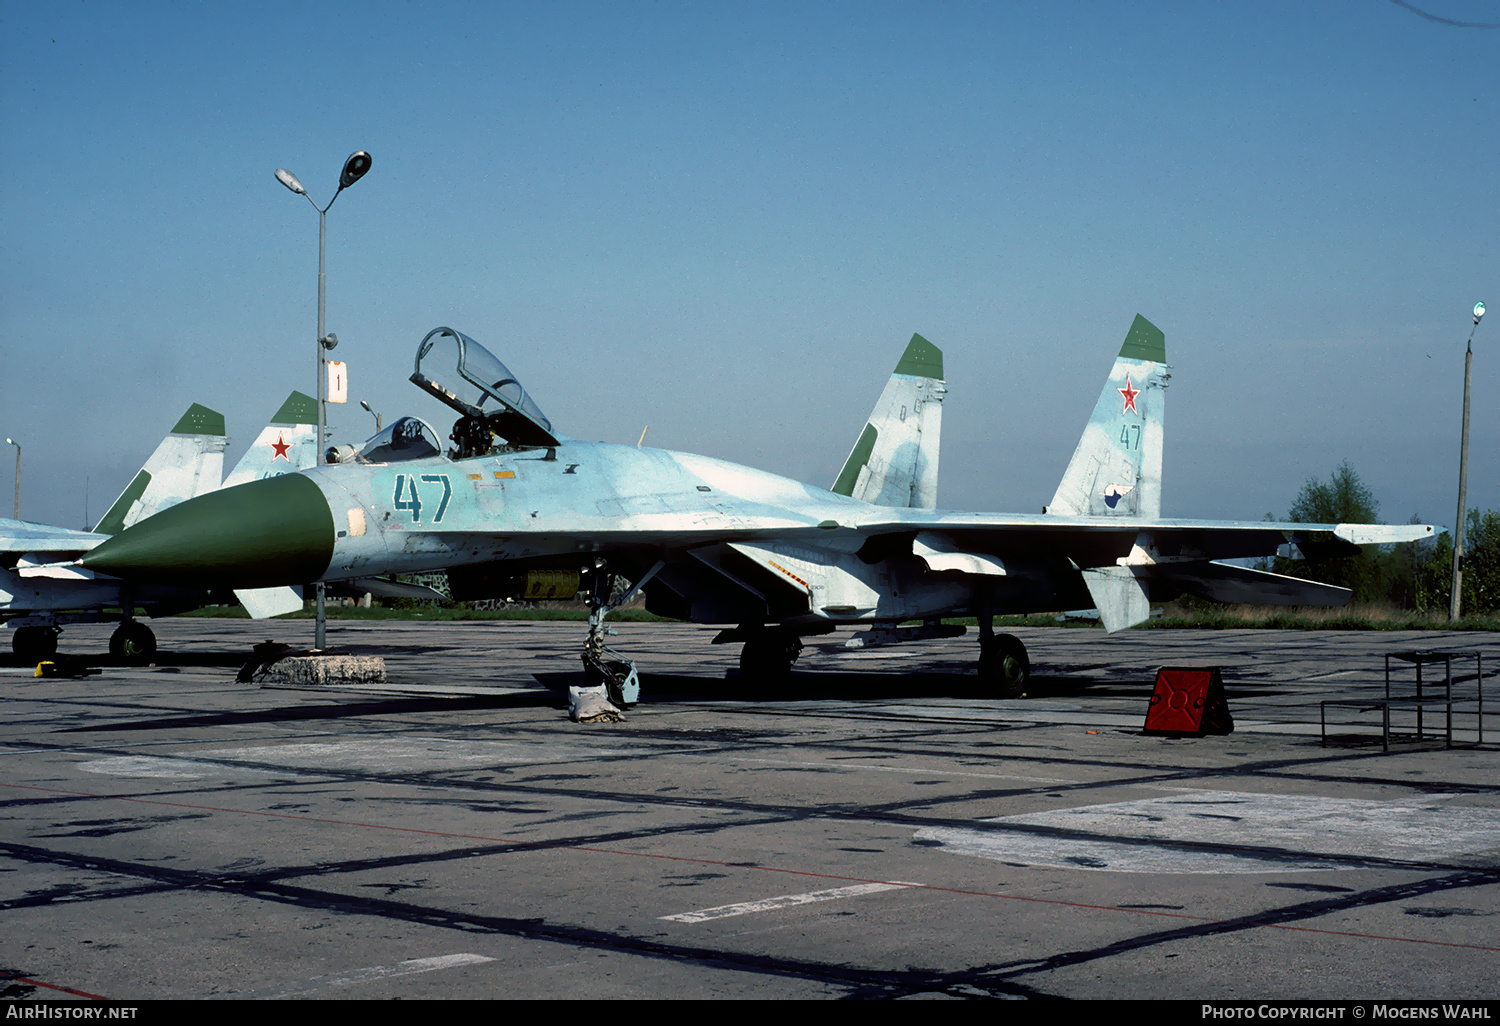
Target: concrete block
point(323, 669)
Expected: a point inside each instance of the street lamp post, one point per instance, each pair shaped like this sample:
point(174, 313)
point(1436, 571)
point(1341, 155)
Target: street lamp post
point(17, 513)
point(1454, 603)
point(354, 169)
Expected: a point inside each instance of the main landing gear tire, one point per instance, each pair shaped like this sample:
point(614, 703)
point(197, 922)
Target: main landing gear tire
point(1004, 667)
point(133, 643)
point(768, 655)
point(34, 644)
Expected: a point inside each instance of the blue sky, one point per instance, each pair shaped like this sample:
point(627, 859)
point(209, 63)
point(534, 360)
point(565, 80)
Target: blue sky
point(724, 220)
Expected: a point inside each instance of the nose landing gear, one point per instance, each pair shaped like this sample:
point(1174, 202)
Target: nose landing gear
point(612, 675)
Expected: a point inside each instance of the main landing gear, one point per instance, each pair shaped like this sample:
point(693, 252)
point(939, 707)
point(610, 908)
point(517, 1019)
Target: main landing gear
point(769, 653)
point(133, 643)
point(1004, 666)
point(34, 644)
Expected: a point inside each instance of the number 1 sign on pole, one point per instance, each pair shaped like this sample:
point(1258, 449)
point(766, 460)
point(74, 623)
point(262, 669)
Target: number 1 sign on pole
point(338, 381)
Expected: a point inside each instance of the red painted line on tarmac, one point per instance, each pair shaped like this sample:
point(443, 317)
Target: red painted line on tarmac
point(4, 975)
point(741, 865)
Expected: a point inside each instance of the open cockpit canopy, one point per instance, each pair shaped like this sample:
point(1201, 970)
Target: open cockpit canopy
point(452, 367)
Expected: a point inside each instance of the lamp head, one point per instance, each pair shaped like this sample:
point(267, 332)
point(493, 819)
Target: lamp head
point(289, 180)
point(354, 168)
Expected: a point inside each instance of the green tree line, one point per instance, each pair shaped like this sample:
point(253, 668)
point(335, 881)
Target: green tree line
point(1417, 575)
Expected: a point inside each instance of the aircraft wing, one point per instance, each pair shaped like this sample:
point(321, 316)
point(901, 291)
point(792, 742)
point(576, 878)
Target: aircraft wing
point(1127, 564)
point(1023, 562)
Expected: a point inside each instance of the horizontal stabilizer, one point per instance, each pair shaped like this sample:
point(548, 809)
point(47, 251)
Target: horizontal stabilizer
point(1225, 582)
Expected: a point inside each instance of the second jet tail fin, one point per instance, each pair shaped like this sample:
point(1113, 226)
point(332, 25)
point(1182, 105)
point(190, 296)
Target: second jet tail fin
point(288, 443)
point(895, 460)
point(1116, 469)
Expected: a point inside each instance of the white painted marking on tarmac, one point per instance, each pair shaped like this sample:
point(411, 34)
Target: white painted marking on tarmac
point(1273, 834)
point(354, 977)
point(168, 768)
point(784, 901)
point(378, 755)
point(408, 754)
point(439, 690)
point(867, 767)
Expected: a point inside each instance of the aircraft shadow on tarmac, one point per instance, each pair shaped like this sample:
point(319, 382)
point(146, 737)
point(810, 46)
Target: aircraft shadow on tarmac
point(831, 685)
point(176, 659)
point(329, 711)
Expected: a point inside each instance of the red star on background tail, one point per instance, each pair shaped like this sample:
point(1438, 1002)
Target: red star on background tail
point(1129, 393)
point(281, 445)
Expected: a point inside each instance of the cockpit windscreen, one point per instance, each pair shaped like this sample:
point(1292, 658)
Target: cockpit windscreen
point(406, 439)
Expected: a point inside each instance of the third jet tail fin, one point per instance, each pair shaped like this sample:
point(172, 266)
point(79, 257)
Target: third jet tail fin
point(288, 443)
point(1116, 469)
point(188, 462)
point(895, 461)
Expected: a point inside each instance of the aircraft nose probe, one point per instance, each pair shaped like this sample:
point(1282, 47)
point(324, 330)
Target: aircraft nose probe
point(267, 533)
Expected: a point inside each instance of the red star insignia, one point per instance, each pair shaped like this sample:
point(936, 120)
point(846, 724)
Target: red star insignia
point(281, 445)
point(1129, 393)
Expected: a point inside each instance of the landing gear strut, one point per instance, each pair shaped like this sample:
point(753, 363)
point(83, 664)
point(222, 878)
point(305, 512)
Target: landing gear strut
point(1004, 666)
point(602, 664)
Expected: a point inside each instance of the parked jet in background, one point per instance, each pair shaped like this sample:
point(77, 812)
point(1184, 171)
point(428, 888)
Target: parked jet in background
point(712, 542)
point(42, 587)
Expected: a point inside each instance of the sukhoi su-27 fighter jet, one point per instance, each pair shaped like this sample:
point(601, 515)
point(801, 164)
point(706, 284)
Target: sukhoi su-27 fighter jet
point(513, 505)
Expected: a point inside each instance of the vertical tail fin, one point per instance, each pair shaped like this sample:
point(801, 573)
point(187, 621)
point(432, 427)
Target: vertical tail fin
point(288, 443)
point(1116, 469)
point(188, 462)
point(895, 460)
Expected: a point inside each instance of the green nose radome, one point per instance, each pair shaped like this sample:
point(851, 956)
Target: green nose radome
point(261, 534)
